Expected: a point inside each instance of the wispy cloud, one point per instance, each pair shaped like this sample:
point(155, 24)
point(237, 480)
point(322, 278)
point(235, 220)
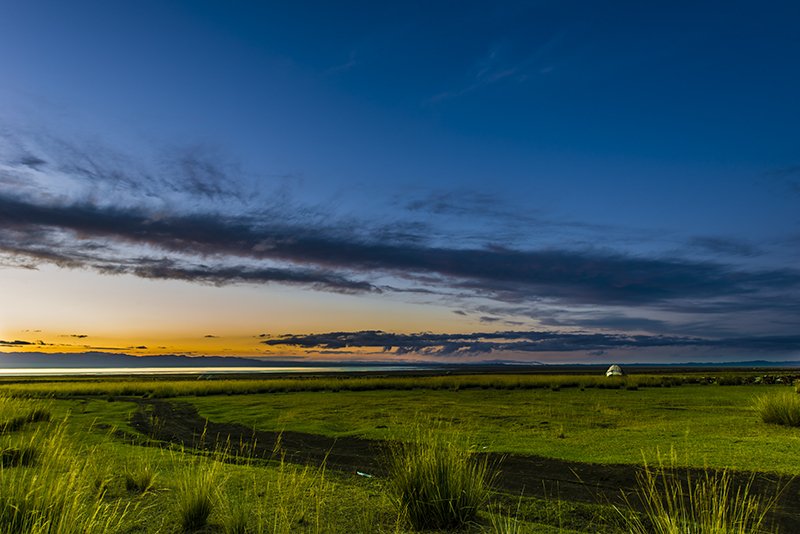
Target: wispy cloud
point(345, 66)
point(724, 246)
point(787, 177)
point(20, 343)
point(502, 63)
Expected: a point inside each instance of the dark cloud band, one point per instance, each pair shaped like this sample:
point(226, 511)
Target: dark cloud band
point(81, 235)
point(520, 341)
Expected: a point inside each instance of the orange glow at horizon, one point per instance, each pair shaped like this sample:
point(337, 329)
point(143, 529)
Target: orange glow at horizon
point(62, 310)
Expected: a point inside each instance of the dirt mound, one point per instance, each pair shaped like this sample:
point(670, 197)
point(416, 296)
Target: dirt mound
point(179, 422)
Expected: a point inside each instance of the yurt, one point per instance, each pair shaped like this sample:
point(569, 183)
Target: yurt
point(615, 370)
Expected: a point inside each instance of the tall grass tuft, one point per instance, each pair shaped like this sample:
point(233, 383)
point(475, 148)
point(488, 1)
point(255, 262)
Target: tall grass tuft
point(780, 409)
point(197, 493)
point(294, 499)
point(505, 522)
point(139, 478)
point(711, 504)
point(436, 481)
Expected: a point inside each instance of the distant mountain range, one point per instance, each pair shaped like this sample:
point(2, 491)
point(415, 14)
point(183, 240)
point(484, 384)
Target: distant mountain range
point(39, 360)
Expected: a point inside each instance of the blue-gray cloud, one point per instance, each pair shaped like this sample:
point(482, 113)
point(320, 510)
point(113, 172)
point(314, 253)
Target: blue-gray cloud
point(522, 341)
point(724, 246)
point(331, 256)
point(788, 177)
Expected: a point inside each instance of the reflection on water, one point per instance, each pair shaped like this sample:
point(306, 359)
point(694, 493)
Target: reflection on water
point(60, 371)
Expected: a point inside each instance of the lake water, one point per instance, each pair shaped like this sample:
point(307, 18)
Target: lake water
point(113, 371)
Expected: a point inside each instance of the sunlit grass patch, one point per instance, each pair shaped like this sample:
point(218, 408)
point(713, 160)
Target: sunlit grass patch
point(780, 409)
point(56, 493)
point(177, 387)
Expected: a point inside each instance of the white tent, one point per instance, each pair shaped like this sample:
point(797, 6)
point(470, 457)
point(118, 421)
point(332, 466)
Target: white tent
point(615, 370)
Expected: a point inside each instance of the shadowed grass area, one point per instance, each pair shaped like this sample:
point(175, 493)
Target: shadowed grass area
point(780, 409)
point(17, 413)
point(436, 482)
point(24, 455)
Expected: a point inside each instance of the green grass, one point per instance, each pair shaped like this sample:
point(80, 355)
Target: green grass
point(55, 494)
point(198, 493)
point(706, 425)
point(139, 478)
point(22, 456)
point(176, 387)
point(85, 477)
point(436, 481)
point(779, 408)
point(18, 413)
point(709, 504)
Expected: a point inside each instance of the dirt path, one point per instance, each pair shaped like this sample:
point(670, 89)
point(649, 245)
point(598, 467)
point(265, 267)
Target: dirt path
point(179, 422)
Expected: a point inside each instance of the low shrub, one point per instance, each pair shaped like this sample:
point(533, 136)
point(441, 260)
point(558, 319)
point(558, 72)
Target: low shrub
point(780, 409)
point(436, 481)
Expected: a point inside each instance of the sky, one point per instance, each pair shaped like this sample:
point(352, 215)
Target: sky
point(532, 181)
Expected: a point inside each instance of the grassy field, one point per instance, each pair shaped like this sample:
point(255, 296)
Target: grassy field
point(60, 441)
point(705, 425)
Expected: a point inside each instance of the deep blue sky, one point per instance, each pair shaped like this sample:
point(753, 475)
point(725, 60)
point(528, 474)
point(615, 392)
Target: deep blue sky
point(627, 168)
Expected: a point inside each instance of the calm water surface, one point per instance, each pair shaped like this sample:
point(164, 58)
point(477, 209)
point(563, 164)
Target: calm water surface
point(107, 371)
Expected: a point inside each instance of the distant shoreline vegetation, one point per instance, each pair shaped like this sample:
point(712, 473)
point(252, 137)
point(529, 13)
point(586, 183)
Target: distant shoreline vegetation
point(166, 386)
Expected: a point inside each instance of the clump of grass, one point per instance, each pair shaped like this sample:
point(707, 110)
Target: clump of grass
point(436, 481)
point(197, 494)
point(235, 517)
point(780, 409)
point(16, 413)
point(295, 499)
point(711, 504)
point(139, 479)
point(22, 456)
point(506, 522)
